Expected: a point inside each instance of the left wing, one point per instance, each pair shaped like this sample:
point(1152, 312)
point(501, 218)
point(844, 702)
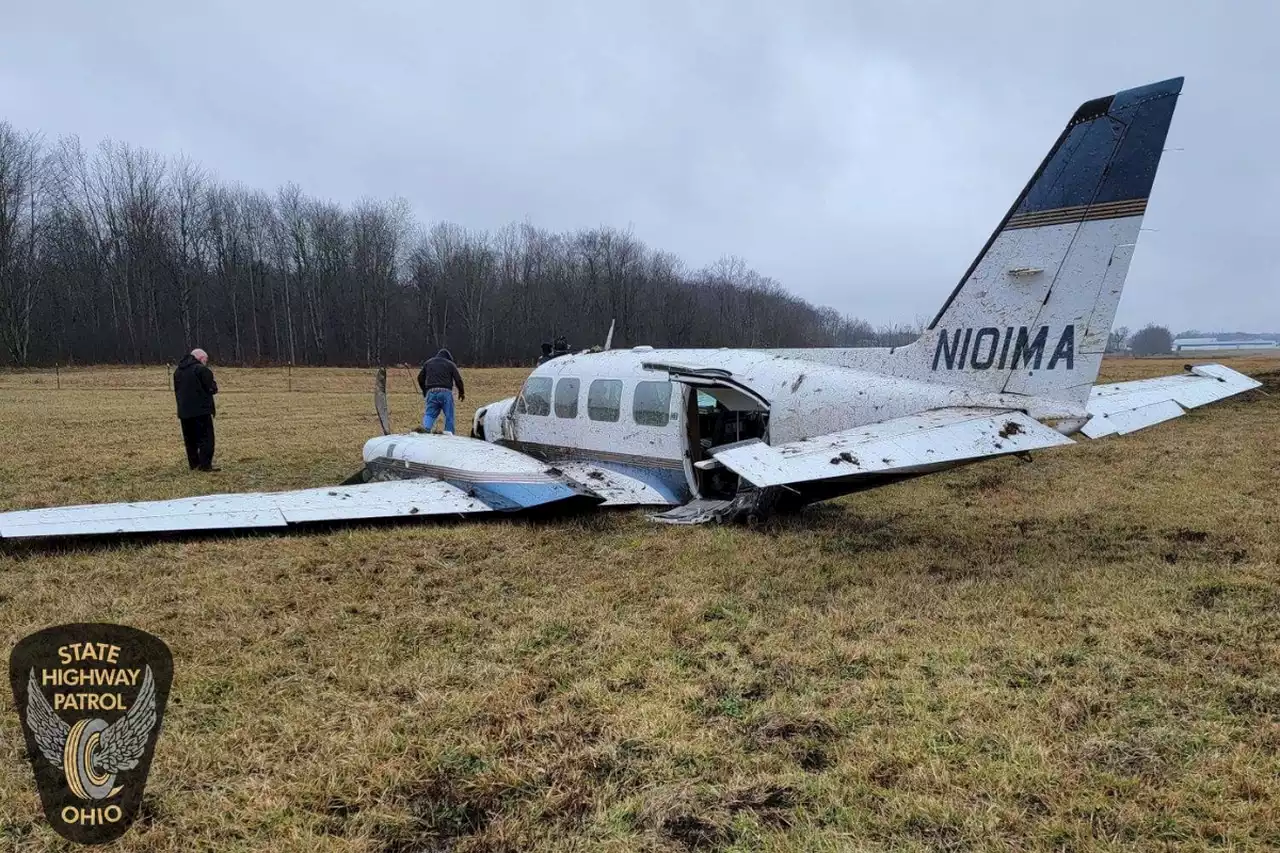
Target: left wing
point(902, 447)
point(1123, 407)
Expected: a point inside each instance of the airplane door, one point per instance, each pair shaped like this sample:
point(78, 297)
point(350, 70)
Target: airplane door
point(693, 450)
point(717, 413)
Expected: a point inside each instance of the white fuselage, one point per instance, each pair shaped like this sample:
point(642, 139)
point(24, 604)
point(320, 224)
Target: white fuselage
point(654, 413)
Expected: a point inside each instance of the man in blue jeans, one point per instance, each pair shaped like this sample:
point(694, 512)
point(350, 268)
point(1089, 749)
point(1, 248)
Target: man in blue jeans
point(436, 380)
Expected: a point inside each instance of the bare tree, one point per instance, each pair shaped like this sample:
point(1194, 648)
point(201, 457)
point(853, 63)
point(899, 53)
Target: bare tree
point(187, 220)
point(22, 182)
point(121, 255)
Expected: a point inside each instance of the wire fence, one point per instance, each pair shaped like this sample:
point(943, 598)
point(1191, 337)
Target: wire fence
point(231, 380)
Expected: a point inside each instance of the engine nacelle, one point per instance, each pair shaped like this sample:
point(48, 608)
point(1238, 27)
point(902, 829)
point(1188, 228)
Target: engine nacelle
point(489, 420)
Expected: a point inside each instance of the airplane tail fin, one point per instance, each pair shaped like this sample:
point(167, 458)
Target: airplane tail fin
point(1033, 313)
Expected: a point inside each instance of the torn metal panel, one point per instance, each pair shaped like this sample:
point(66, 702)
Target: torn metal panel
point(617, 488)
point(917, 443)
point(698, 511)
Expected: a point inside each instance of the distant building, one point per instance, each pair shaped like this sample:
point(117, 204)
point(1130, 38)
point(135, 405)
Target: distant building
point(1193, 344)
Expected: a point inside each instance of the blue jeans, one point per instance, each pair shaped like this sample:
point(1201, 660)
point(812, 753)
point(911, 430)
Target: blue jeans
point(438, 400)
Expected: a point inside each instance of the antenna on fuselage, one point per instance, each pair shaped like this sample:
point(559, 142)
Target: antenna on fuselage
point(608, 340)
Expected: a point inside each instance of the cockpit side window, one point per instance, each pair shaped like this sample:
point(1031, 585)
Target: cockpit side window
point(567, 397)
point(604, 399)
point(650, 403)
point(535, 399)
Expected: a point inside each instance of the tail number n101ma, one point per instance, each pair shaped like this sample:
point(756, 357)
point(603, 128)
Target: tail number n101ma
point(1011, 347)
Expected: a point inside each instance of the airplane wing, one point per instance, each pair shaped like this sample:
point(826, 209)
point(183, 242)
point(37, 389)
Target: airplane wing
point(491, 480)
point(903, 446)
point(1123, 407)
point(390, 499)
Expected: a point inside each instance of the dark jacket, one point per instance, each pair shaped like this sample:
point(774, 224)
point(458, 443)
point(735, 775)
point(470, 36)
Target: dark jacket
point(193, 387)
point(440, 372)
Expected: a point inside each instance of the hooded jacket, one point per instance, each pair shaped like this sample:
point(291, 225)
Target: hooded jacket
point(193, 388)
point(440, 372)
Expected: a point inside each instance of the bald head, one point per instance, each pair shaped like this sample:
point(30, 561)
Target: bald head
point(200, 355)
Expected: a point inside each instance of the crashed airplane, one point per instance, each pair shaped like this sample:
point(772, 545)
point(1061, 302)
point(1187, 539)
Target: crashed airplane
point(1006, 367)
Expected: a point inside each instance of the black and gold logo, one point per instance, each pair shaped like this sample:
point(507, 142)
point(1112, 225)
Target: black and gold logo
point(91, 697)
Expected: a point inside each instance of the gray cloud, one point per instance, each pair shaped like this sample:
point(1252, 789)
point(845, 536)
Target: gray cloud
point(858, 153)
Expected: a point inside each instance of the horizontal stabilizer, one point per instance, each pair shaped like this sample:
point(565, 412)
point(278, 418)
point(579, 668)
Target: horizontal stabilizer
point(909, 445)
point(1124, 407)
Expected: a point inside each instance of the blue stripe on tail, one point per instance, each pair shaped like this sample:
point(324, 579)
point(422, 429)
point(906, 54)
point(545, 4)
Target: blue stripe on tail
point(1109, 152)
point(1102, 166)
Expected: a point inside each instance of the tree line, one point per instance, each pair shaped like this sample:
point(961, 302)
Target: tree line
point(119, 255)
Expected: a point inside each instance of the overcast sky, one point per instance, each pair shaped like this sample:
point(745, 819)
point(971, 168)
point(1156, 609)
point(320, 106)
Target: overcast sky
point(860, 153)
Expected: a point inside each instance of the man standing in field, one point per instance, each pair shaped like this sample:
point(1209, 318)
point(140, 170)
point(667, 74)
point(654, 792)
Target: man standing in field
point(436, 379)
point(194, 387)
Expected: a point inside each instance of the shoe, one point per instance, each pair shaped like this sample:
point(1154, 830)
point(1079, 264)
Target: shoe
point(211, 469)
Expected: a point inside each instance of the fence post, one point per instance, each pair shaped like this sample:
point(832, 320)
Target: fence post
point(289, 370)
point(57, 376)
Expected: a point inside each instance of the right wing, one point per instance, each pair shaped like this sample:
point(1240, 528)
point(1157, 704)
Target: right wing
point(1123, 407)
point(421, 496)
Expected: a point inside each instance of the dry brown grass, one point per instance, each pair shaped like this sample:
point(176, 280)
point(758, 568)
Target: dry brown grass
point(1077, 653)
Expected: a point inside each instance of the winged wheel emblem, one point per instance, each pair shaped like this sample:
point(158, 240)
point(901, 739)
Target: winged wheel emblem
point(90, 752)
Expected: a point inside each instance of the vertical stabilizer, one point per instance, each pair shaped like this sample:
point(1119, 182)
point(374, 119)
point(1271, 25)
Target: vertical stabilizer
point(1033, 312)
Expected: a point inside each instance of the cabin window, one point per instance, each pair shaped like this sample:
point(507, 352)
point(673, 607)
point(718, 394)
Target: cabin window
point(567, 398)
point(535, 399)
point(650, 402)
point(604, 399)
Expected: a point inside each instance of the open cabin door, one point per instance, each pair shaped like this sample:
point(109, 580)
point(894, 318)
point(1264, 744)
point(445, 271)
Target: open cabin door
point(717, 411)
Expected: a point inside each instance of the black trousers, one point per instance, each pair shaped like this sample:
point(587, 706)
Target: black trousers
point(197, 435)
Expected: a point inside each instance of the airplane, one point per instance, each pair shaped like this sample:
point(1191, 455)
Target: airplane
point(1007, 366)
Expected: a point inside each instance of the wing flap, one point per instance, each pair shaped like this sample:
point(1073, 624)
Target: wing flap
point(907, 445)
point(390, 499)
point(1124, 407)
point(1125, 421)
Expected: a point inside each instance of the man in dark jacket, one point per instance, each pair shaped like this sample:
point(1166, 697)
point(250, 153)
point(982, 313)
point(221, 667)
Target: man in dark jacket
point(436, 379)
point(193, 387)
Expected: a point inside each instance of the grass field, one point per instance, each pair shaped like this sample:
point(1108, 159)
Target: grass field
point(1077, 653)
